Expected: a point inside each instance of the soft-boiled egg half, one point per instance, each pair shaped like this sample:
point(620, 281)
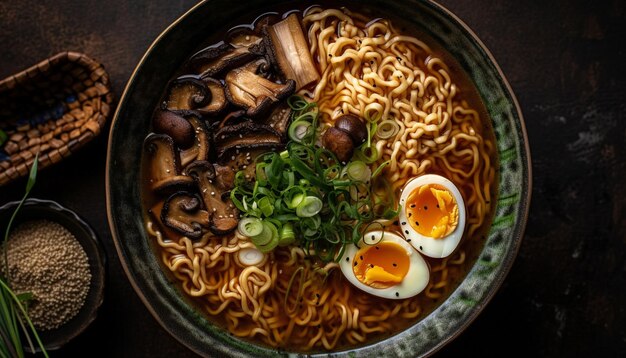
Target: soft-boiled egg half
point(385, 265)
point(432, 215)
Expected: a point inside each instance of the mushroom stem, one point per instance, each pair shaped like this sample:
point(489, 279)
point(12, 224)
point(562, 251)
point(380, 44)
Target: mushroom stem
point(291, 51)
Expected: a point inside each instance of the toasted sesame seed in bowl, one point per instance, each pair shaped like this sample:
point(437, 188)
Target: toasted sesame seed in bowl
point(54, 254)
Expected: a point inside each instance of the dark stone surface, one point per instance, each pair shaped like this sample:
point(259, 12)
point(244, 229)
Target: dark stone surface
point(565, 60)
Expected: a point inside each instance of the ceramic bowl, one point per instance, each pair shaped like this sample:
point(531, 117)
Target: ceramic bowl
point(131, 125)
point(35, 209)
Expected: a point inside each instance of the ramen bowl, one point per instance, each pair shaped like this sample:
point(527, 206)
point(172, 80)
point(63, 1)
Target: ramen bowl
point(182, 319)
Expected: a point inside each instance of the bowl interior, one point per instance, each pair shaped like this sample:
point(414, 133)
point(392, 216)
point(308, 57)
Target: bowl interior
point(34, 209)
point(132, 122)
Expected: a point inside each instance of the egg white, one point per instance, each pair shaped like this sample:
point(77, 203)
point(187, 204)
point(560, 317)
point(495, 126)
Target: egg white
point(429, 246)
point(413, 283)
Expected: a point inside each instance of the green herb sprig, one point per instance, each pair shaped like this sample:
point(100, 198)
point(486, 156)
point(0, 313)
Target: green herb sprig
point(13, 316)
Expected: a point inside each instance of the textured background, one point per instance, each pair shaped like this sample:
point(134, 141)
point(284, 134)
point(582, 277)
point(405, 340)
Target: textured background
point(565, 60)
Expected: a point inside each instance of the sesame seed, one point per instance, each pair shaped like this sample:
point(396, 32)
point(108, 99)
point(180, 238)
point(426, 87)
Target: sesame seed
point(46, 259)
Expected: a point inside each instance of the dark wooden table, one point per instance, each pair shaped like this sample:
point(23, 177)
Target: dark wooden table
point(566, 61)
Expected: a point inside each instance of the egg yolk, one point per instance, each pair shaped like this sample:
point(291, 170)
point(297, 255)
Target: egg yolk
point(432, 211)
point(382, 265)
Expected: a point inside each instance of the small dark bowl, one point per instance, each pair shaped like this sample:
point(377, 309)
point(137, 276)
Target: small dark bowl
point(35, 209)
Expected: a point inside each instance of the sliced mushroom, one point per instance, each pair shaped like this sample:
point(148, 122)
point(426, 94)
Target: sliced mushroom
point(155, 211)
point(289, 51)
point(243, 135)
point(163, 167)
point(200, 149)
point(246, 89)
point(175, 126)
point(216, 59)
point(243, 36)
point(187, 93)
point(183, 213)
point(233, 118)
point(264, 20)
point(223, 214)
point(279, 119)
point(225, 177)
point(218, 97)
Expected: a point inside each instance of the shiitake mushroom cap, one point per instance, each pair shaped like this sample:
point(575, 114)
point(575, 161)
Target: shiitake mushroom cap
point(175, 126)
point(339, 142)
point(354, 126)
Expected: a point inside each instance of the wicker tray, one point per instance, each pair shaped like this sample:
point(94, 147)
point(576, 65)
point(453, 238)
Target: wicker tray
point(52, 108)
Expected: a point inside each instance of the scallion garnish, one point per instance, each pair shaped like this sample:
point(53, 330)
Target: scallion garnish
point(305, 194)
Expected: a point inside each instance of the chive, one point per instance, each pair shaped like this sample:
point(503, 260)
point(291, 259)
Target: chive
point(12, 312)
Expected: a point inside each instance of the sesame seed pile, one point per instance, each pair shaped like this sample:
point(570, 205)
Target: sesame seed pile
point(47, 260)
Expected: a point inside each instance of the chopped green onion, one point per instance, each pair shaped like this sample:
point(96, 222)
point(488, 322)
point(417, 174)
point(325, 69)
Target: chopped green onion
point(387, 129)
point(367, 154)
point(250, 227)
point(298, 130)
point(286, 236)
point(266, 206)
point(305, 195)
point(264, 237)
point(358, 171)
point(310, 205)
point(269, 230)
point(295, 201)
point(380, 168)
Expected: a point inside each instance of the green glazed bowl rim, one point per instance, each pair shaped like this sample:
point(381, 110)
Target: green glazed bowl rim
point(190, 328)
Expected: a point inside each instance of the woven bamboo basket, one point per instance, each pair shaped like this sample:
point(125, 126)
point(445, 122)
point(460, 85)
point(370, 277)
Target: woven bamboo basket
point(52, 108)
